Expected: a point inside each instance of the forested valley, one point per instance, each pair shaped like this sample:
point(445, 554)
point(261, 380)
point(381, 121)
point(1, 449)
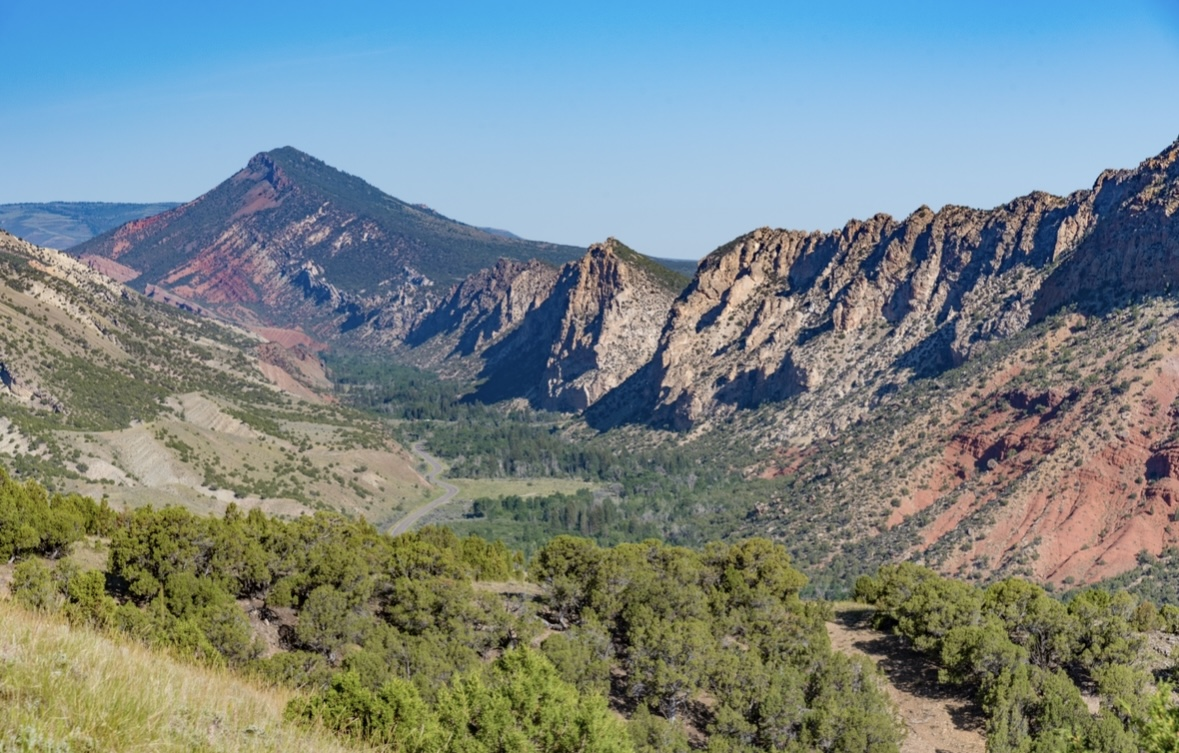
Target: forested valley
point(684, 495)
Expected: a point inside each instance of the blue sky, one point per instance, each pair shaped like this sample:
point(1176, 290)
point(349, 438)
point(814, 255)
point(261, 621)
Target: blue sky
point(675, 126)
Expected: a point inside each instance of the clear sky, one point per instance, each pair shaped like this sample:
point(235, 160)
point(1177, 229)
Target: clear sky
point(675, 126)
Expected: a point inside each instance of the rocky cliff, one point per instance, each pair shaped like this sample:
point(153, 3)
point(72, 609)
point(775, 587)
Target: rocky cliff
point(560, 338)
point(990, 392)
point(822, 317)
point(612, 305)
point(474, 315)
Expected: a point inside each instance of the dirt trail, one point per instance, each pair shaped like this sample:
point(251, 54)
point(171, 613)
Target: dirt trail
point(939, 719)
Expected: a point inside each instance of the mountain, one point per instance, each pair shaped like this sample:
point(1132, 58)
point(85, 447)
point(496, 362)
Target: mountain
point(290, 242)
point(988, 391)
point(62, 224)
point(780, 314)
point(105, 392)
point(560, 338)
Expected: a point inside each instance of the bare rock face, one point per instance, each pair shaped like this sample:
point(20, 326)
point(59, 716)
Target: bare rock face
point(615, 306)
point(559, 338)
point(777, 314)
point(477, 313)
point(1133, 246)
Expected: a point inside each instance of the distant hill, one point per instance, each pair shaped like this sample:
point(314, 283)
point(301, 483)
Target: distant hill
point(685, 267)
point(501, 233)
point(62, 224)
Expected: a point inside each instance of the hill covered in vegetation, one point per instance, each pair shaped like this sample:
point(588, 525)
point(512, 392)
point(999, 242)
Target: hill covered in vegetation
point(105, 392)
point(64, 224)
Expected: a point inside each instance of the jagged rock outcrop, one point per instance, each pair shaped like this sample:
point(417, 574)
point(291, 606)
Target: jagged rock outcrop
point(821, 316)
point(615, 305)
point(1133, 243)
point(479, 311)
point(559, 338)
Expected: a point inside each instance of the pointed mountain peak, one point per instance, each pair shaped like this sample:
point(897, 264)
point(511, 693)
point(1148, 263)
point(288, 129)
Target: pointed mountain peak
point(610, 247)
point(659, 270)
point(1165, 158)
point(244, 243)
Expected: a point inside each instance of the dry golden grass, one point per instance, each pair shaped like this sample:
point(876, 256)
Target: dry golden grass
point(64, 689)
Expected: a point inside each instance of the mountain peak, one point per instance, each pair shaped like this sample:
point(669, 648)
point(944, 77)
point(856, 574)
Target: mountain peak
point(289, 155)
point(659, 272)
point(243, 248)
point(289, 152)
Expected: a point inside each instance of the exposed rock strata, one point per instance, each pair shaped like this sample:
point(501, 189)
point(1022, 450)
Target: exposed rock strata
point(559, 338)
point(288, 241)
point(780, 313)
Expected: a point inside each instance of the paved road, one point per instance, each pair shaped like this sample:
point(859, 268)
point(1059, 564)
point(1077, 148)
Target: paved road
point(449, 490)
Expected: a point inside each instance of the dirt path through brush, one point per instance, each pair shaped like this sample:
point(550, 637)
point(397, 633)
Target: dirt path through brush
point(939, 719)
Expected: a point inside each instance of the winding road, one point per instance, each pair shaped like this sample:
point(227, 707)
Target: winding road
point(449, 490)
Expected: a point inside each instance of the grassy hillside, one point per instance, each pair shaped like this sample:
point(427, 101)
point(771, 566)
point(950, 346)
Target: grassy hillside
point(107, 393)
point(62, 224)
point(69, 689)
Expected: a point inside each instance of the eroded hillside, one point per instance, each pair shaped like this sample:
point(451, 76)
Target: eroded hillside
point(108, 393)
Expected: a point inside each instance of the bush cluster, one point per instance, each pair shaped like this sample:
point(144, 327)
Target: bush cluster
point(1028, 655)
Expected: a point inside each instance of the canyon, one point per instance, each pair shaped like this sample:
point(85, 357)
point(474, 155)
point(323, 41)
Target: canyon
point(988, 391)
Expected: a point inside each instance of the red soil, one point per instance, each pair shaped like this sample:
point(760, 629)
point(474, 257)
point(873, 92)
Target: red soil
point(289, 338)
point(110, 268)
point(1079, 517)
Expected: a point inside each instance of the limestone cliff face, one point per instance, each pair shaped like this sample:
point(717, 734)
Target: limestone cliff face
point(479, 311)
point(1133, 246)
point(614, 308)
point(472, 317)
point(560, 338)
point(824, 316)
